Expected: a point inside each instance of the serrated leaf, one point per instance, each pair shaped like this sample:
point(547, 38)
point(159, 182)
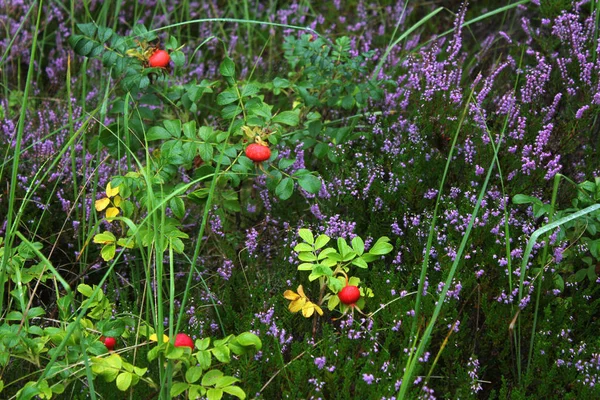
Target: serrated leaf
point(177, 206)
point(178, 58)
point(88, 29)
point(206, 152)
point(227, 67)
point(157, 133)
point(287, 118)
point(173, 126)
point(189, 129)
point(227, 96)
point(285, 189)
point(249, 89)
point(286, 162)
point(310, 183)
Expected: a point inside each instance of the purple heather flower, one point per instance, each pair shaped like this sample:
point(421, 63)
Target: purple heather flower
point(368, 378)
point(320, 362)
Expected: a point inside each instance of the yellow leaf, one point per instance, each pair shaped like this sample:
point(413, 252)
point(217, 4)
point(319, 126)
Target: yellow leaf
point(291, 295)
point(154, 338)
point(301, 291)
point(297, 305)
point(319, 309)
point(249, 132)
point(117, 201)
point(101, 204)
point(309, 308)
point(112, 212)
point(110, 191)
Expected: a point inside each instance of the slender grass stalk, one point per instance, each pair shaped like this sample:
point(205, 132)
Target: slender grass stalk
point(412, 364)
point(410, 30)
point(539, 232)
point(425, 263)
point(11, 225)
point(73, 146)
point(242, 21)
point(543, 266)
point(489, 14)
point(10, 45)
point(171, 307)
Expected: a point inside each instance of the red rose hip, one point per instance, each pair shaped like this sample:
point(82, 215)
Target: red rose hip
point(159, 59)
point(349, 294)
point(183, 340)
point(257, 152)
point(109, 342)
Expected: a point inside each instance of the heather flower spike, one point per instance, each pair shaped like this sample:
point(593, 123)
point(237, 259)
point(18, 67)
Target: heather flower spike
point(112, 199)
point(299, 301)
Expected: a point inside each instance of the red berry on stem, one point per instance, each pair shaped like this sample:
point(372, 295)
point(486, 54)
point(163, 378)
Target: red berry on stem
point(183, 340)
point(349, 294)
point(109, 342)
point(257, 152)
point(159, 59)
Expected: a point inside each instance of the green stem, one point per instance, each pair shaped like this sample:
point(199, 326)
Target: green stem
point(10, 226)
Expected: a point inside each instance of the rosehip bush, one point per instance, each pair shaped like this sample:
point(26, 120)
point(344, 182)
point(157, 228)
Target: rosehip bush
point(330, 267)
